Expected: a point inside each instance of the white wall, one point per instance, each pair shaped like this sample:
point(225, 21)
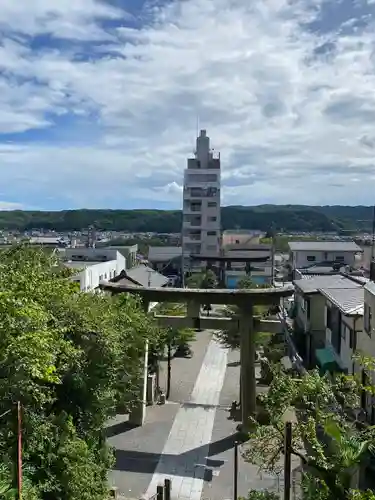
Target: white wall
point(96, 254)
point(202, 185)
point(90, 277)
point(300, 258)
point(354, 324)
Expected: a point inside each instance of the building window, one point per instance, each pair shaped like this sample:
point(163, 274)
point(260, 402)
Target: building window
point(212, 219)
point(367, 319)
point(329, 318)
point(311, 258)
point(100, 277)
point(212, 204)
point(211, 233)
point(210, 248)
point(308, 309)
point(339, 258)
point(352, 340)
point(343, 331)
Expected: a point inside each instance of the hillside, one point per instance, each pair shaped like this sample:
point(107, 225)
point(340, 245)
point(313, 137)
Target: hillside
point(262, 217)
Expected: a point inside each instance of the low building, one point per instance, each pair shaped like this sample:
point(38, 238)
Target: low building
point(49, 241)
point(232, 238)
point(304, 254)
point(350, 330)
point(260, 271)
point(93, 265)
point(129, 252)
point(343, 314)
point(309, 310)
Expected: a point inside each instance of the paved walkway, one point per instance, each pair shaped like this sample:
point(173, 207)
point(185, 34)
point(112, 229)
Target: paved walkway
point(184, 456)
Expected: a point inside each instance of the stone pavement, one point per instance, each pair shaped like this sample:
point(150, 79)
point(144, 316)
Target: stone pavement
point(190, 440)
point(184, 455)
point(221, 451)
point(138, 449)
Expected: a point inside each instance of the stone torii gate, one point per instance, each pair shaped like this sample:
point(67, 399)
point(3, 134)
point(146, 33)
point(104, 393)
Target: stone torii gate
point(247, 324)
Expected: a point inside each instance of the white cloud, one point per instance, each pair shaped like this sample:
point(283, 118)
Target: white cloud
point(291, 108)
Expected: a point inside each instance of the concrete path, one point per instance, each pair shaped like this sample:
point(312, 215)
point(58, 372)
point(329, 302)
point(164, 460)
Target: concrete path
point(138, 449)
point(184, 456)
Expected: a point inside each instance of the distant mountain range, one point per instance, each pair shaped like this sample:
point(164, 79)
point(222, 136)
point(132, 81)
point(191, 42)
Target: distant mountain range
point(263, 217)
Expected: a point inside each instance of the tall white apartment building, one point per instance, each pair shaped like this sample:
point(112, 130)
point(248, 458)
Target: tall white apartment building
point(201, 201)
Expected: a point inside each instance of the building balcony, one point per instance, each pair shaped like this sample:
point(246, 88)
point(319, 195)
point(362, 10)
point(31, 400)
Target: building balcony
point(191, 224)
point(189, 184)
point(187, 239)
point(188, 209)
point(205, 191)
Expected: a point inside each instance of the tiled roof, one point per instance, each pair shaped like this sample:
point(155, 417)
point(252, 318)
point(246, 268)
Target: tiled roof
point(311, 284)
point(146, 276)
point(314, 270)
point(349, 300)
point(324, 246)
point(161, 254)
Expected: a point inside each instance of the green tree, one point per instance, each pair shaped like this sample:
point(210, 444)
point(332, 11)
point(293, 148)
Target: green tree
point(206, 279)
point(172, 338)
point(71, 359)
point(329, 445)
point(231, 337)
point(261, 495)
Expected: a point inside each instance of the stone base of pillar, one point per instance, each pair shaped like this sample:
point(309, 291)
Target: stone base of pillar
point(138, 415)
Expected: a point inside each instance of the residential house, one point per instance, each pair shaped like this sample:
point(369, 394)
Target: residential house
point(336, 315)
point(309, 310)
point(343, 317)
point(304, 254)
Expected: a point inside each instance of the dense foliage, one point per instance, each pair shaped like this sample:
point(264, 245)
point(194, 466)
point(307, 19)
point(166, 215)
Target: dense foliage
point(263, 217)
point(71, 359)
point(330, 446)
point(231, 338)
point(206, 279)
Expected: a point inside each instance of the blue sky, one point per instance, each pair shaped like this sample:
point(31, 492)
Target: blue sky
point(99, 100)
